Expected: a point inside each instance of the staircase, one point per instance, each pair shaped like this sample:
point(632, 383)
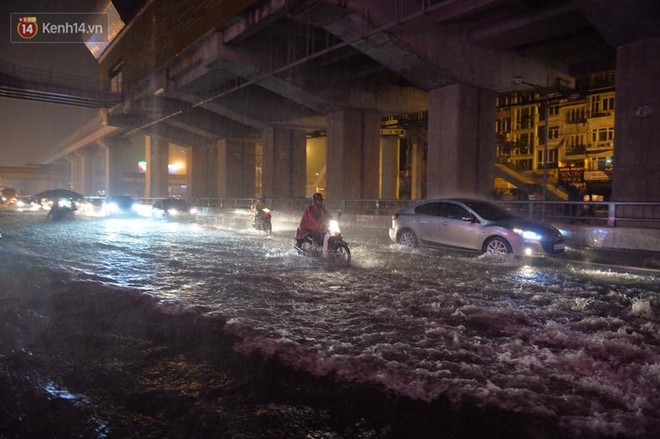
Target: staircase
point(529, 182)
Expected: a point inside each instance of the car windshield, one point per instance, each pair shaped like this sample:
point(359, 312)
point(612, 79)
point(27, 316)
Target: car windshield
point(489, 211)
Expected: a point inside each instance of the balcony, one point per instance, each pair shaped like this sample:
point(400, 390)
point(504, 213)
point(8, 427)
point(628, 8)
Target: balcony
point(575, 120)
point(576, 150)
point(601, 114)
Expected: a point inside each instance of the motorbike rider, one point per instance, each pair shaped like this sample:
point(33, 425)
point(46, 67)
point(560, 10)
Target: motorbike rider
point(258, 208)
point(314, 223)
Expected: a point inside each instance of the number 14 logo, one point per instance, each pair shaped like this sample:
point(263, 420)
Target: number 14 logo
point(27, 27)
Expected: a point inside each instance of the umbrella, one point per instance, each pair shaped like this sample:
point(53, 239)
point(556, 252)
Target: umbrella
point(59, 193)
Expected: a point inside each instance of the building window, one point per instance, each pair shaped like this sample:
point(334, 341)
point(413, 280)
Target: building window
point(526, 120)
point(503, 101)
point(602, 134)
point(576, 115)
point(553, 133)
point(595, 104)
point(608, 104)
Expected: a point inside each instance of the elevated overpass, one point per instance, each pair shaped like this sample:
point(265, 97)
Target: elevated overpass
point(19, 82)
point(274, 68)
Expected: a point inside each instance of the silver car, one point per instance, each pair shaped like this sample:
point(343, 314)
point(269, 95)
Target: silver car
point(475, 225)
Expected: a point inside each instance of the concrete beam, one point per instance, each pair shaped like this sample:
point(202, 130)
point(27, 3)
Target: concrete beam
point(326, 93)
point(414, 46)
point(176, 135)
point(214, 67)
point(88, 134)
point(212, 126)
point(623, 22)
point(220, 110)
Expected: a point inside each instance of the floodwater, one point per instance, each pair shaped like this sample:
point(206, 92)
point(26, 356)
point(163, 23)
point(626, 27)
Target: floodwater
point(529, 348)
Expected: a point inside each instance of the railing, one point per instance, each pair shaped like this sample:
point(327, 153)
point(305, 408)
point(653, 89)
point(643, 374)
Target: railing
point(606, 213)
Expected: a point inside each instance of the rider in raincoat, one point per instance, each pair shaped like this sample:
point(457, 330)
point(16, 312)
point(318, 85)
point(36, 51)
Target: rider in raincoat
point(314, 222)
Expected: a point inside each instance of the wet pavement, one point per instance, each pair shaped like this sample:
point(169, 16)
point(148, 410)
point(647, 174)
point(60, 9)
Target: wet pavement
point(144, 328)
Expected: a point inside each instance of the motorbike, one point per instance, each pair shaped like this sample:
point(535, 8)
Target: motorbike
point(338, 250)
point(262, 221)
point(62, 209)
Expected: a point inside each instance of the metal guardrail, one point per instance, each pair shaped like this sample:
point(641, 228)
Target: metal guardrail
point(607, 213)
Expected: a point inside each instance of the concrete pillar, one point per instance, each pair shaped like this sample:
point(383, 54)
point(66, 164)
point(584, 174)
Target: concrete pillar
point(353, 155)
point(89, 174)
point(418, 170)
point(637, 123)
point(389, 167)
point(189, 172)
point(284, 164)
point(461, 151)
point(236, 169)
point(84, 171)
point(114, 164)
point(203, 172)
point(157, 176)
point(76, 166)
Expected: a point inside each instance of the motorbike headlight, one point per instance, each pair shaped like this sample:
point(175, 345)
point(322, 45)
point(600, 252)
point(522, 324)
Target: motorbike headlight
point(64, 203)
point(528, 234)
point(333, 227)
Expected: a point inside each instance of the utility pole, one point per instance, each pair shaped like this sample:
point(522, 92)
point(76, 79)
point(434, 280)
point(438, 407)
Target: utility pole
point(546, 136)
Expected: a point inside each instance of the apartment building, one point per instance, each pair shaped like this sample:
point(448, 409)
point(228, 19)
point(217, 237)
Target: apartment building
point(577, 151)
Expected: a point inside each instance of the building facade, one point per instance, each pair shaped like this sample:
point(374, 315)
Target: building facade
point(579, 153)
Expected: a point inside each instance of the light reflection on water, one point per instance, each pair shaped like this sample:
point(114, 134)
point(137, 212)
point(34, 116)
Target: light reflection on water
point(541, 337)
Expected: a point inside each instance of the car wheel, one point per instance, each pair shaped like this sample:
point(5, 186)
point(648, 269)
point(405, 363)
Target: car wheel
point(497, 246)
point(407, 238)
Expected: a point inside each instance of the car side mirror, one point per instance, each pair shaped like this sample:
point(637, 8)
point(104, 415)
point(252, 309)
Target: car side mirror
point(469, 219)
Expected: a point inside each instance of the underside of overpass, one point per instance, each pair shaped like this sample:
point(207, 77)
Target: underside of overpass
point(290, 64)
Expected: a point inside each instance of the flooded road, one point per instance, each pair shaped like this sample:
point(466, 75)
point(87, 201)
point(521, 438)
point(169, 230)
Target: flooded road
point(578, 344)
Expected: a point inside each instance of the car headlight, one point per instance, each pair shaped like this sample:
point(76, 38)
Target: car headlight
point(528, 234)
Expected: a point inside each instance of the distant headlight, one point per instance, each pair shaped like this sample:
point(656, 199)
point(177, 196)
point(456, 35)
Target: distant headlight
point(193, 210)
point(172, 212)
point(63, 202)
point(112, 207)
point(527, 234)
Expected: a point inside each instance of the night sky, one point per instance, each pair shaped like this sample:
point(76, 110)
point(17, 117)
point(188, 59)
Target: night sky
point(28, 127)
